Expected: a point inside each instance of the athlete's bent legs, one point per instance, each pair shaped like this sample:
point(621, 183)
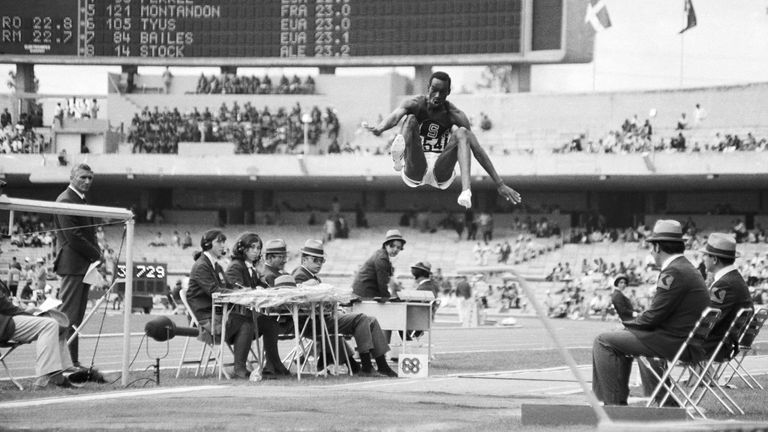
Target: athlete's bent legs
point(458, 149)
point(415, 162)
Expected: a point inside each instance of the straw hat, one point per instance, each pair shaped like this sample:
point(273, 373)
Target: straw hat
point(392, 235)
point(666, 230)
point(620, 277)
point(275, 246)
point(285, 281)
point(423, 265)
point(313, 248)
point(721, 245)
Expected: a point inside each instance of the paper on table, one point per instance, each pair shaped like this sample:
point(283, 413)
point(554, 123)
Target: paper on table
point(92, 275)
point(48, 304)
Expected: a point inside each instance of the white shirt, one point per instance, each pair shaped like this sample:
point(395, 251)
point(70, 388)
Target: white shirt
point(669, 260)
point(81, 195)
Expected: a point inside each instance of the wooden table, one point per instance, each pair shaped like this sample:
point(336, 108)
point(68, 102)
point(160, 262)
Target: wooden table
point(401, 316)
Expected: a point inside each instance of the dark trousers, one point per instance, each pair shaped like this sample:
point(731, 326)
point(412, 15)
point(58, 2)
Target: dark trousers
point(612, 357)
point(74, 299)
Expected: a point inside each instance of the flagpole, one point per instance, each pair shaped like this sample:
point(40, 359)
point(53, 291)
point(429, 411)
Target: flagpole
point(682, 43)
point(682, 57)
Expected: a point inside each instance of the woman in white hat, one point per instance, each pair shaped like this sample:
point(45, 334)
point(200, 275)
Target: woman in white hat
point(375, 276)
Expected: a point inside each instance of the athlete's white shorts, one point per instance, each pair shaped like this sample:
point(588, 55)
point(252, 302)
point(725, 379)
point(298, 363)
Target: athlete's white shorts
point(429, 176)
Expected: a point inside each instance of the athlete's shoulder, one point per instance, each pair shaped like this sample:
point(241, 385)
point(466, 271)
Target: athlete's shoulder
point(416, 101)
point(458, 117)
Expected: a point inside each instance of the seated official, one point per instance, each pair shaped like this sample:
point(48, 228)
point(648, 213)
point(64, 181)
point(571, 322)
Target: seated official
point(206, 278)
point(241, 274)
point(275, 257)
point(681, 297)
point(422, 274)
point(728, 292)
point(369, 337)
point(52, 359)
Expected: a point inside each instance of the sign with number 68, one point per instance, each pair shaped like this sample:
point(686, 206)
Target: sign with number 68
point(413, 366)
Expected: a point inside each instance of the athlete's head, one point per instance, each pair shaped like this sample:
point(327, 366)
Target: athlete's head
point(438, 89)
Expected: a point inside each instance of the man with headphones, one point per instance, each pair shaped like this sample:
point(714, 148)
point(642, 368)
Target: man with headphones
point(242, 274)
point(207, 277)
point(434, 136)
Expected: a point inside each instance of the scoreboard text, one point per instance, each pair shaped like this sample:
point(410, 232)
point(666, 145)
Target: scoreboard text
point(341, 29)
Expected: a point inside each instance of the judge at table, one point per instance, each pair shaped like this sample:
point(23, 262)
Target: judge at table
point(374, 280)
point(242, 274)
point(206, 278)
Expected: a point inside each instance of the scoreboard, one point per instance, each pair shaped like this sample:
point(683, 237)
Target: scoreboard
point(148, 278)
point(321, 32)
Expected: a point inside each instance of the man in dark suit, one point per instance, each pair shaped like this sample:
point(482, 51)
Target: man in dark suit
point(680, 298)
point(369, 337)
point(728, 291)
point(77, 248)
point(275, 257)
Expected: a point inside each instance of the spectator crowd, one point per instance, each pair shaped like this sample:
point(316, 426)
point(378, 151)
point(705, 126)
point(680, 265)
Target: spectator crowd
point(236, 84)
point(251, 129)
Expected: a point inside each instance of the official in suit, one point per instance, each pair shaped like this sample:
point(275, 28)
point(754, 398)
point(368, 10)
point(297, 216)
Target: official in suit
point(76, 249)
point(241, 274)
point(275, 257)
point(728, 291)
point(206, 278)
point(375, 276)
point(680, 298)
point(369, 337)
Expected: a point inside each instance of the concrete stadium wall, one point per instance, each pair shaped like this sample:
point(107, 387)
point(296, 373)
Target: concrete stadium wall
point(553, 119)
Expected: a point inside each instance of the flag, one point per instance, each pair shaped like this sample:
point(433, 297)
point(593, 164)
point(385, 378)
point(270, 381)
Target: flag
point(690, 16)
point(597, 15)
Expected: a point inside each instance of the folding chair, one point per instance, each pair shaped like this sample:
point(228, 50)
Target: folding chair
point(746, 339)
point(10, 347)
point(208, 353)
point(706, 378)
point(313, 339)
point(675, 387)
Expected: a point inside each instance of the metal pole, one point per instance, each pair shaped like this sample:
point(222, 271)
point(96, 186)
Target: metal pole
point(128, 302)
point(602, 416)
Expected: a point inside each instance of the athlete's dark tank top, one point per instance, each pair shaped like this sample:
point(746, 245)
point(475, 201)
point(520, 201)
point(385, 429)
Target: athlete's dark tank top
point(434, 127)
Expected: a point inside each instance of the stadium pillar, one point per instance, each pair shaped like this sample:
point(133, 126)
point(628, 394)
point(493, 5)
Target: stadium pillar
point(25, 83)
point(521, 78)
point(421, 77)
point(228, 70)
point(130, 72)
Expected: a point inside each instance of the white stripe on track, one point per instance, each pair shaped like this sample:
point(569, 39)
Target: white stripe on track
point(104, 396)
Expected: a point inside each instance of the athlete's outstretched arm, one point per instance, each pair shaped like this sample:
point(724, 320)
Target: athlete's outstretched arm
point(392, 119)
point(388, 122)
point(485, 161)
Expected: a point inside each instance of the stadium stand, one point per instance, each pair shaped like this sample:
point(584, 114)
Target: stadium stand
point(250, 129)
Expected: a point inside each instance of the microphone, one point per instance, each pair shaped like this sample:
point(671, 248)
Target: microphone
point(162, 328)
